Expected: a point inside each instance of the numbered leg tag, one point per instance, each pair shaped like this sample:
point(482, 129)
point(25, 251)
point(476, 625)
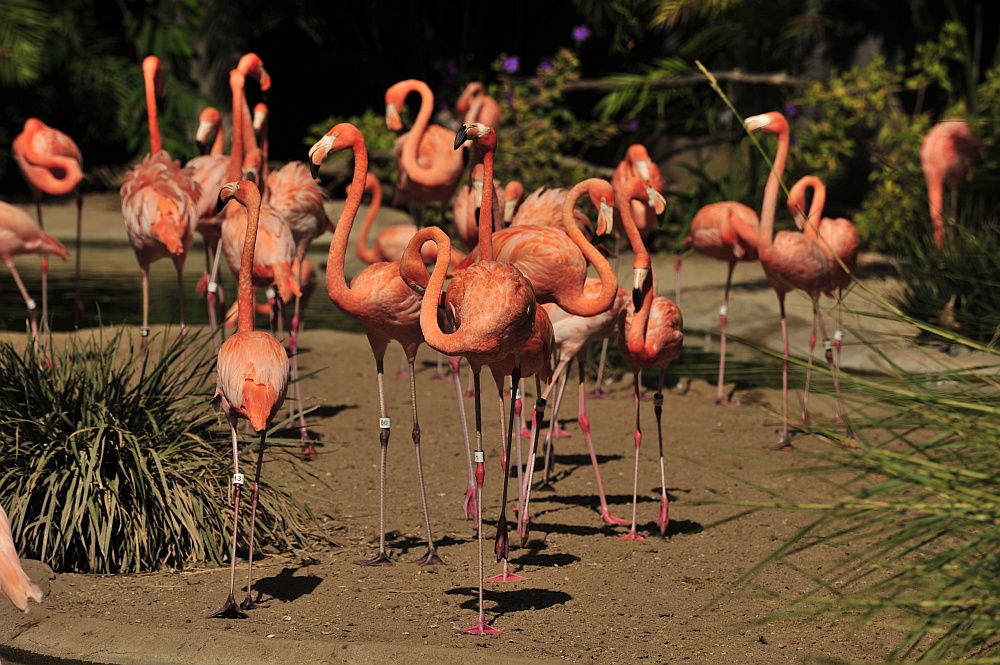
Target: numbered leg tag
point(237, 479)
point(213, 287)
point(383, 423)
point(723, 310)
point(271, 293)
point(838, 335)
point(480, 457)
point(144, 331)
point(658, 399)
point(517, 394)
point(32, 306)
point(827, 344)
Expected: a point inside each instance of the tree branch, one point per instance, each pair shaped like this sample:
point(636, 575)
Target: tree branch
point(733, 75)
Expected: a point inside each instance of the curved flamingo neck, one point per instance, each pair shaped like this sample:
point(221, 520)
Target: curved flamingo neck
point(638, 193)
point(364, 252)
point(336, 285)
point(237, 149)
point(264, 170)
point(149, 74)
point(771, 190)
point(636, 339)
point(576, 302)
point(50, 164)
point(486, 211)
point(430, 325)
point(218, 145)
point(249, 196)
point(797, 199)
point(431, 176)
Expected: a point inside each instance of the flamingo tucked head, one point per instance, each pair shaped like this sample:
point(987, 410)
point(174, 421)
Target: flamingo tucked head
point(252, 165)
point(151, 68)
point(209, 123)
point(251, 65)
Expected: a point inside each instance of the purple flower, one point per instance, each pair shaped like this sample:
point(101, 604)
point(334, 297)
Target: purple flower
point(545, 65)
point(791, 110)
point(580, 34)
point(632, 125)
point(511, 64)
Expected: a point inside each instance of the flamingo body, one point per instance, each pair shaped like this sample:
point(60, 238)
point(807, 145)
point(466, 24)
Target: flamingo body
point(14, 583)
point(946, 155)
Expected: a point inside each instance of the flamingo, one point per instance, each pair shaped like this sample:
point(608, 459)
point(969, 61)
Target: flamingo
point(466, 206)
point(791, 260)
point(159, 202)
point(839, 241)
point(491, 306)
point(52, 164)
point(476, 106)
point(211, 172)
point(727, 231)
point(14, 583)
point(387, 309)
point(251, 382)
point(429, 170)
point(20, 234)
point(513, 197)
point(946, 155)
point(650, 334)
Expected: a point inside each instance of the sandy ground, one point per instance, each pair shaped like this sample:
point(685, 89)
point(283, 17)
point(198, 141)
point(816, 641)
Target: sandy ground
point(589, 596)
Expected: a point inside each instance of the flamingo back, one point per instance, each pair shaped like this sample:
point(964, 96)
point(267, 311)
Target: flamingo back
point(252, 377)
point(298, 199)
point(20, 234)
point(275, 248)
point(158, 204)
point(662, 340)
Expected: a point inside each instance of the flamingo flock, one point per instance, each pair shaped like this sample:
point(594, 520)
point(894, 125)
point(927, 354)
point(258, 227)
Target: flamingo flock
point(521, 302)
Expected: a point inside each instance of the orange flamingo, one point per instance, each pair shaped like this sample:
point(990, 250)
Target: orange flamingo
point(637, 163)
point(429, 170)
point(727, 231)
point(387, 309)
point(790, 259)
point(491, 307)
point(650, 335)
point(839, 241)
point(159, 202)
point(14, 583)
point(513, 197)
point(52, 164)
point(466, 206)
point(251, 382)
point(946, 155)
point(20, 234)
point(476, 106)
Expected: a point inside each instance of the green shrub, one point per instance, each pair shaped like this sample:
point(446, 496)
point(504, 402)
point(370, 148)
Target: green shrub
point(113, 461)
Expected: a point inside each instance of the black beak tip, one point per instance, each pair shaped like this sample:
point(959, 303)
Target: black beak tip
point(461, 136)
point(264, 94)
point(637, 299)
point(202, 147)
point(314, 170)
point(219, 205)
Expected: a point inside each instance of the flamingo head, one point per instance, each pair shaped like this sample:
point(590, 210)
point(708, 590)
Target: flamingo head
point(151, 69)
point(602, 195)
point(482, 135)
point(771, 123)
point(251, 65)
point(465, 99)
point(209, 122)
point(340, 137)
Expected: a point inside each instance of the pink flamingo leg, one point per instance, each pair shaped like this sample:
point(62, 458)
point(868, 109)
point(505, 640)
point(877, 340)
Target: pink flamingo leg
point(501, 546)
point(663, 518)
point(785, 443)
point(382, 558)
point(401, 372)
point(77, 299)
point(606, 515)
point(481, 627)
point(144, 331)
point(633, 533)
point(229, 609)
point(28, 301)
point(804, 420)
point(430, 558)
point(469, 504)
point(838, 337)
point(545, 485)
point(723, 321)
point(248, 602)
point(308, 451)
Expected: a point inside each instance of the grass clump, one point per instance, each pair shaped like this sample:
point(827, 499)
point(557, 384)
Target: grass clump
point(114, 461)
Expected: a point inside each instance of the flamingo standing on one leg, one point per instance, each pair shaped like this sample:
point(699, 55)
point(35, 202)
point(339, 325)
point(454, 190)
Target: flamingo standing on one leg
point(387, 309)
point(159, 202)
point(491, 306)
point(725, 230)
point(14, 583)
point(790, 259)
point(839, 241)
point(20, 234)
point(650, 335)
point(946, 155)
point(429, 169)
point(52, 164)
point(252, 378)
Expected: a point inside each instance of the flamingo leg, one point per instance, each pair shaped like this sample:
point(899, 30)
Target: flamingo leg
point(144, 331)
point(229, 609)
point(501, 546)
point(785, 443)
point(180, 295)
point(723, 322)
point(584, 421)
point(481, 627)
point(382, 558)
point(633, 533)
point(838, 337)
point(248, 602)
point(45, 274)
point(403, 364)
point(663, 518)
point(562, 375)
point(431, 558)
point(469, 505)
point(77, 299)
point(308, 451)
point(213, 287)
point(28, 301)
point(523, 521)
point(812, 348)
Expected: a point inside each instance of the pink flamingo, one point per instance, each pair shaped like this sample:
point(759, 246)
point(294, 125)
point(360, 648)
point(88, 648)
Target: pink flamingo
point(466, 207)
point(727, 231)
point(513, 197)
point(790, 259)
point(20, 234)
point(544, 207)
point(159, 202)
point(429, 170)
point(839, 241)
point(946, 155)
point(251, 382)
point(387, 309)
point(52, 164)
point(650, 335)
point(491, 306)
point(14, 583)
point(476, 106)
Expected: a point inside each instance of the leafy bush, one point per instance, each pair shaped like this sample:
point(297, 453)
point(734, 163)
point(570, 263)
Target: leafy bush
point(114, 462)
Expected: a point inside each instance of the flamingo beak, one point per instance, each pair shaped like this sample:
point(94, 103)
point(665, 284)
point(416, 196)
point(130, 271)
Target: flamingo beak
point(638, 281)
point(642, 166)
point(656, 201)
point(226, 193)
point(753, 123)
point(605, 219)
point(461, 136)
point(318, 153)
point(392, 119)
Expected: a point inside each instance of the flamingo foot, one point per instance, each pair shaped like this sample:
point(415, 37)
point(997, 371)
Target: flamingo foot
point(469, 507)
point(469, 394)
point(525, 433)
point(402, 374)
point(560, 433)
point(663, 519)
point(481, 628)
point(633, 535)
point(441, 376)
point(506, 576)
point(783, 444)
point(543, 486)
point(381, 559)
point(249, 604)
point(430, 559)
point(804, 420)
point(608, 518)
point(202, 287)
point(229, 610)
point(597, 393)
point(308, 451)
